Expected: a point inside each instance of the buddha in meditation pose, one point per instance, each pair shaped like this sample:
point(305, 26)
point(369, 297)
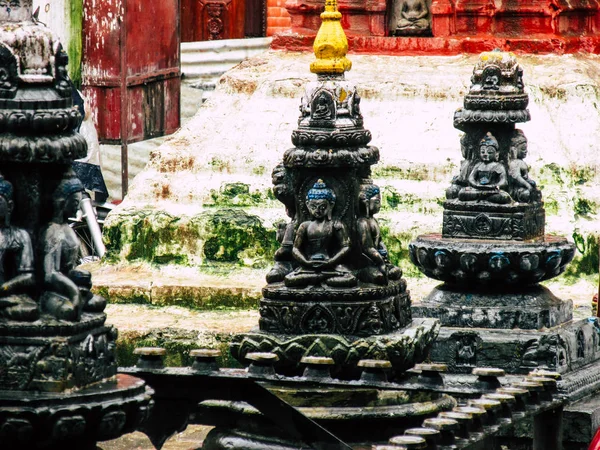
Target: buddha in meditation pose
point(487, 180)
point(61, 254)
point(321, 244)
point(413, 18)
point(523, 188)
point(16, 268)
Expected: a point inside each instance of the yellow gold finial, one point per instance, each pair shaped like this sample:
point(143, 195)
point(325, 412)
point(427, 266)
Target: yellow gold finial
point(330, 45)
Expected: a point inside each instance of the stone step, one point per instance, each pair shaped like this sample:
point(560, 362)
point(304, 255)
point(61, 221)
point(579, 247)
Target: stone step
point(210, 59)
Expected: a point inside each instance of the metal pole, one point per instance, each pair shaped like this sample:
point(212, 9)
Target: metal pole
point(90, 218)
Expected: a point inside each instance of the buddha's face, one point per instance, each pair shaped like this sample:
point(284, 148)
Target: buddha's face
point(72, 204)
point(375, 204)
point(320, 208)
point(488, 153)
point(521, 149)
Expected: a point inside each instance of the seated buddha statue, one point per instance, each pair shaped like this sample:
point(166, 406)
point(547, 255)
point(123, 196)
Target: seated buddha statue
point(321, 244)
point(487, 180)
point(413, 18)
point(16, 264)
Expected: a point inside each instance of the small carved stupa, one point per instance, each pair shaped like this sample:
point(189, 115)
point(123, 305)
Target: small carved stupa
point(333, 290)
point(492, 252)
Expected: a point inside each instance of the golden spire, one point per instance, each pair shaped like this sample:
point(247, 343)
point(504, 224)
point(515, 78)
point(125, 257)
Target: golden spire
point(330, 45)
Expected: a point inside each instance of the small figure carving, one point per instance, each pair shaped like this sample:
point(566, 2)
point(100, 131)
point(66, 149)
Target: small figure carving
point(284, 260)
point(379, 269)
point(16, 264)
point(462, 179)
point(323, 108)
point(321, 244)
point(465, 351)
point(61, 254)
point(491, 78)
point(523, 188)
point(412, 18)
point(487, 180)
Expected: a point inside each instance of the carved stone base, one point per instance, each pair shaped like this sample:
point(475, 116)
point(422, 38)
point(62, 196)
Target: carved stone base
point(484, 220)
point(366, 416)
point(403, 349)
point(51, 355)
point(560, 349)
point(76, 419)
point(532, 308)
point(366, 310)
point(492, 264)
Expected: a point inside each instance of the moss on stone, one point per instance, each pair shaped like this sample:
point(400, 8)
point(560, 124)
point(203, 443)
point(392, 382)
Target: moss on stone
point(236, 194)
point(201, 297)
point(416, 172)
point(223, 235)
point(178, 345)
point(75, 37)
point(587, 260)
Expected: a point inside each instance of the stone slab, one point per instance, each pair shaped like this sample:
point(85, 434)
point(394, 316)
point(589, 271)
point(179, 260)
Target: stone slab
point(533, 308)
point(561, 349)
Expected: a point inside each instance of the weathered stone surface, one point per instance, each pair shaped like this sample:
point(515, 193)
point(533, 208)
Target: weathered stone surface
point(529, 308)
point(402, 348)
point(229, 142)
point(564, 348)
point(178, 330)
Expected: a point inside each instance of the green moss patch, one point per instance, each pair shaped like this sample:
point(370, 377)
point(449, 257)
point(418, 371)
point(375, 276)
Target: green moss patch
point(223, 235)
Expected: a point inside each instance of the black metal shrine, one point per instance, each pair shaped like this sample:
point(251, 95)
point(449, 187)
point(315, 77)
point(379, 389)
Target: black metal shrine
point(58, 380)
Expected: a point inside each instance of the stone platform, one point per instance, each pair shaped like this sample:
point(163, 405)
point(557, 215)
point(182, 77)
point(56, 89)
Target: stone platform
point(221, 160)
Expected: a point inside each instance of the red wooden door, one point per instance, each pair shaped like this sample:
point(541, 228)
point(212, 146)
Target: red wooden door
point(204, 20)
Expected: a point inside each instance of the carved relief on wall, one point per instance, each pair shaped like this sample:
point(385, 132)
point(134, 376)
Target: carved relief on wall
point(410, 18)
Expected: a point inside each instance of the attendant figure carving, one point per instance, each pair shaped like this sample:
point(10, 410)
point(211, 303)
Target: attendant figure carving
point(487, 180)
point(61, 254)
point(412, 18)
point(323, 107)
point(321, 244)
point(378, 269)
point(284, 259)
point(16, 264)
point(462, 179)
point(523, 188)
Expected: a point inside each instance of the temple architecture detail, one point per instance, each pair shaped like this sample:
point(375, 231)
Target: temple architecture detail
point(493, 252)
point(453, 26)
point(333, 291)
point(54, 342)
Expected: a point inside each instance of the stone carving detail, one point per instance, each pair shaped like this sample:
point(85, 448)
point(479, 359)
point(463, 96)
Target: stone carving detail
point(16, 264)
point(58, 382)
point(493, 195)
point(321, 244)
point(8, 72)
point(332, 278)
point(358, 318)
point(61, 254)
point(410, 18)
point(377, 269)
point(346, 350)
point(515, 264)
